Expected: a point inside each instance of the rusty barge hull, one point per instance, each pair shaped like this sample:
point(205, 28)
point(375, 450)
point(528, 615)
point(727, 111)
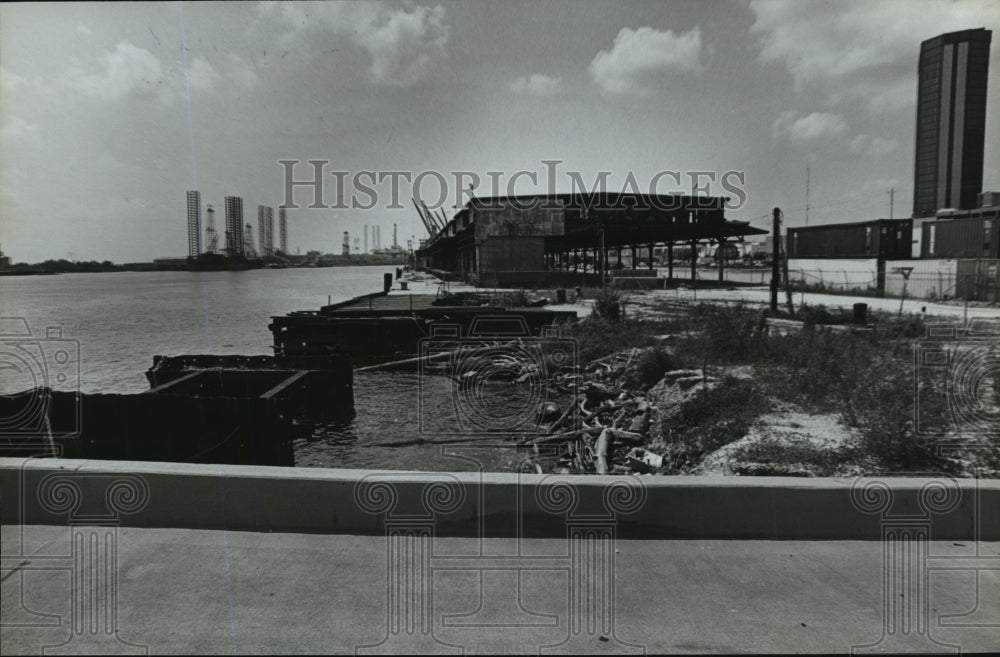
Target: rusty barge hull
point(379, 326)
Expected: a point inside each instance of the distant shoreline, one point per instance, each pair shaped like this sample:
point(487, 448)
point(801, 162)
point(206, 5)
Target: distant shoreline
point(35, 270)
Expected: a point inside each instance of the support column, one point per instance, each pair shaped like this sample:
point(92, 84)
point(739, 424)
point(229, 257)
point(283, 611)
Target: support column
point(633, 257)
point(649, 260)
point(694, 260)
point(670, 261)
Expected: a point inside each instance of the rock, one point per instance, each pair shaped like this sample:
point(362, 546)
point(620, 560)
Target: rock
point(639, 423)
point(643, 460)
point(598, 392)
point(549, 411)
point(673, 375)
point(688, 382)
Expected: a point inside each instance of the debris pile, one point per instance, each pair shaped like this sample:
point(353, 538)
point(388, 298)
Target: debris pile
point(609, 426)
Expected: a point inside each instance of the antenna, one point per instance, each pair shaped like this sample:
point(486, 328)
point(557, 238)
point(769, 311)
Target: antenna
point(807, 191)
point(892, 194)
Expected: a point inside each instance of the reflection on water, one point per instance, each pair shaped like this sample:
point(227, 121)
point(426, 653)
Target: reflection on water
point(117, 322)
point(404, 421)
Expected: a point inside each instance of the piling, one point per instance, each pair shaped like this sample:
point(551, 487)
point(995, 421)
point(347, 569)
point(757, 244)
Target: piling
point(387, 281)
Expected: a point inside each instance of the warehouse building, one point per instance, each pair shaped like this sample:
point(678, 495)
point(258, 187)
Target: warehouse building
point(566, 239)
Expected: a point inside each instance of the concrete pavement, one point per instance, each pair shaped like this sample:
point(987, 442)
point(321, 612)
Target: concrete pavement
point(186, 559)
point(208, 591)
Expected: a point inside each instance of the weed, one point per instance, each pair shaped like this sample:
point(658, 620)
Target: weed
point(608, 305)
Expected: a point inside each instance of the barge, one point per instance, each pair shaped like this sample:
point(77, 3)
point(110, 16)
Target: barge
point(382, 326)
point(237, 410)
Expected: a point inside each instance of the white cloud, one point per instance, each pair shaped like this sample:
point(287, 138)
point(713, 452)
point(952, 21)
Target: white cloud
point(640, 56)
point(536, 84)
point(201, 75)
point(10, 81)
point(127, 70)
point(865, 50)
point(242, 72)
point(873, 146)
point(815, 126)
point(402, 42)
point(83, 29)
point(15, 127)
point(131, 71)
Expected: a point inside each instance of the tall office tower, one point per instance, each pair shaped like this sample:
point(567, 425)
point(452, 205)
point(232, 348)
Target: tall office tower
point(265, 230)
point(378, 236)
point(282, 231)
point(366, 239)
point(346, 247)
point(234, 226)
point(951, 121)
point(194, 223)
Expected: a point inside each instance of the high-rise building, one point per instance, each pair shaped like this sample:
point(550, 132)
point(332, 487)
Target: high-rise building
point(265, 230)
point(194, 223)
point(234, 226)
point(282, 231)
point(951, 121)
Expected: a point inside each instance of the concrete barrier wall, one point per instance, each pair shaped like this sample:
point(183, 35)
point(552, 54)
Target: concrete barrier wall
point(265, 499)
point(929, 279)
point(837, 273)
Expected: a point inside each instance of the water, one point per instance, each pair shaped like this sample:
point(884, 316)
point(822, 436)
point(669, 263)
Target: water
point(112, 325)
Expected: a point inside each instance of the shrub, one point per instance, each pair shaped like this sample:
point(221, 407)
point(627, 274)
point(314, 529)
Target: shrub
point(608, 305)
point(650, 366)
point(597, 337)
point(711, 418)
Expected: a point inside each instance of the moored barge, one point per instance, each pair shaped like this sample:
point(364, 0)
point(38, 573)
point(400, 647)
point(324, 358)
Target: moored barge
point(380, 326)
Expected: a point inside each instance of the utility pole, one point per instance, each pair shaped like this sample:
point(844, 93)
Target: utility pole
point(775, 255)
point(604, 262)
point(892, 194)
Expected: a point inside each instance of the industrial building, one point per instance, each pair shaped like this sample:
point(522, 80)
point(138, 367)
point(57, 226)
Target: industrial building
point(951, 121)
point(234, 226)
point(524, 240)
point(194, 223)
point(954, 254)
point(282, 231)
point(265, 230)
point(881, 238)
point(957, 234)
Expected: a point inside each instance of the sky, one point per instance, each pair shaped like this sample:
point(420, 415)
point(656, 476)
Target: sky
point(110, 112)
